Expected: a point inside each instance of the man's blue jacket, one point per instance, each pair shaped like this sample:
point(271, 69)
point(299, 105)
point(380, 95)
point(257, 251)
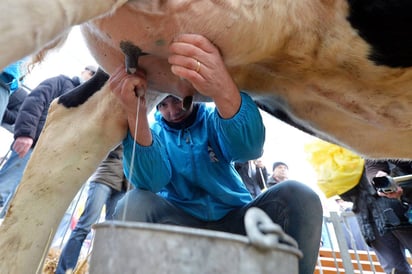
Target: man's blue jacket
point(193, 167)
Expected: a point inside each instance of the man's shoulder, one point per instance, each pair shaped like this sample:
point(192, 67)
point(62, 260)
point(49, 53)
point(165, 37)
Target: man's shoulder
point(19, 95)
point(61, 78)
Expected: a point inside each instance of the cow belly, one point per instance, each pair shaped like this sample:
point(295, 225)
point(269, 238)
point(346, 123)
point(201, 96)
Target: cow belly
point(319, 68)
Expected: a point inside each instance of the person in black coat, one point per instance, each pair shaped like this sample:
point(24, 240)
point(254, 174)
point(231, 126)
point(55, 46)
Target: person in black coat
point(13, 107)
point(253, 174)
point(28, 126)
point(382, 217)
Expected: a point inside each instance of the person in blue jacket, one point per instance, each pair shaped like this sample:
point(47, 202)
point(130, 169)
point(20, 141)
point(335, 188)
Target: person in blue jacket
point(183, 165)
point(10, 81)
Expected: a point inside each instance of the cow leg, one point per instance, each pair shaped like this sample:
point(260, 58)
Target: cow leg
point(27, 25)
point(72, 144)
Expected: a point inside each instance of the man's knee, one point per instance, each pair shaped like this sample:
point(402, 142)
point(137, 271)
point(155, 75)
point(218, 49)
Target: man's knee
point(295, 192)
point(136, 205)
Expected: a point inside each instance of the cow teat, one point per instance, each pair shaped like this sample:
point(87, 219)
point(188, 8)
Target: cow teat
point(132, 54)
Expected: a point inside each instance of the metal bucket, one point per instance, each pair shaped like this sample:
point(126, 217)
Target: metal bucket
point(124, 247)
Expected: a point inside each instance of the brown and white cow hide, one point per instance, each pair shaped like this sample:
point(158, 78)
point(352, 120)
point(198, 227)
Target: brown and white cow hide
point(340, 69)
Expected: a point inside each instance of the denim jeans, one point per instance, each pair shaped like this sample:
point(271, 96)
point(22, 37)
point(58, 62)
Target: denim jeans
point(292, 205)
point(390, 250)
point(65, 225)
point(98, 195)
point(4, 100)
point(10, 176)
point(62, 229)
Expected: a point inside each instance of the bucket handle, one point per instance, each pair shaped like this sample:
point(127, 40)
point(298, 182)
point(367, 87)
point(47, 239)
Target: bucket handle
point(263, 233)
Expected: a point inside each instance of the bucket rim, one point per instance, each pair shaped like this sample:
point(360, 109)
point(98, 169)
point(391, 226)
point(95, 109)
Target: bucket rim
point(184, 230)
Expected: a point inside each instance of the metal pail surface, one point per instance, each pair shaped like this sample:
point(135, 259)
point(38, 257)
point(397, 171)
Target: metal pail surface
point(125, 247)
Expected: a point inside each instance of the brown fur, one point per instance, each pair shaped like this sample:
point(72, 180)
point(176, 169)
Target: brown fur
point(306, 52)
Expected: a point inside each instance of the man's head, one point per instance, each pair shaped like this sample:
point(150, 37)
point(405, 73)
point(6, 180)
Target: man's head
point(172, 109)
point(87, 73)
point(280, 171)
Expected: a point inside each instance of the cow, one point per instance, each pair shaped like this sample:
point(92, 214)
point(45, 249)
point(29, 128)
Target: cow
point(339, 69)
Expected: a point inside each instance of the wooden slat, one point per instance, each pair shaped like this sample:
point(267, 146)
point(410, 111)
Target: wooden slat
point(362, 255)
point(329, 264)
point(333, 270)
point(366, 265)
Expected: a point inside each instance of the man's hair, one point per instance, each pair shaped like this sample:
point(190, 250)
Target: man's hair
point(276, 164)
point(92, 69)
point(167, 96)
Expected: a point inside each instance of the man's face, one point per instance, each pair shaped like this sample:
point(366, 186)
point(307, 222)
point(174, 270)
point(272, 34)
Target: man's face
point(281, 171)
point(86, 75)
point(172, 110)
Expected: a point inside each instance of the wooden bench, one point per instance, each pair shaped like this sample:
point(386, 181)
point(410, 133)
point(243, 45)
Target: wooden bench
point(331, 262)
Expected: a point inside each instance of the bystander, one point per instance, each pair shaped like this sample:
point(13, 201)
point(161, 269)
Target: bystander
point(28, 126)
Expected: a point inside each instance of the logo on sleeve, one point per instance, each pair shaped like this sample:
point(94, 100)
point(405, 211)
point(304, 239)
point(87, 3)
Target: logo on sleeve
point(212, 155)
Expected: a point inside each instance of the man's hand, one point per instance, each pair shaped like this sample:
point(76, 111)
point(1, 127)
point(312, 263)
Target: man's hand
point(22, 145)
point(194, 58)
point(259, 163)
point(393, 195)
point(130, 89)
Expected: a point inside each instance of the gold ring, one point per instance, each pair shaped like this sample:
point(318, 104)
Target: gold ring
point(197, 66)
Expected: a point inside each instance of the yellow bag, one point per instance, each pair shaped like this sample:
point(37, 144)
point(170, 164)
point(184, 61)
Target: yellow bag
point(338, 169)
